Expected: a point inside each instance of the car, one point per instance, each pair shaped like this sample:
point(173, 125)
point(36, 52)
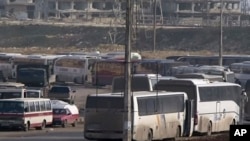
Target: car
point(64, 113)
point(64, 93)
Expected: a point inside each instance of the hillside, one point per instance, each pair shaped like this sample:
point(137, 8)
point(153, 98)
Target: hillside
point(179, 40)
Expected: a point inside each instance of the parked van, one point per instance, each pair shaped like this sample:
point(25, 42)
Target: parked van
point(64, 113)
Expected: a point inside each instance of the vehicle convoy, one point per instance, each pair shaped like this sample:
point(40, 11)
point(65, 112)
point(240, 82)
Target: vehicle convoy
point(64, 93)
point(64, 113)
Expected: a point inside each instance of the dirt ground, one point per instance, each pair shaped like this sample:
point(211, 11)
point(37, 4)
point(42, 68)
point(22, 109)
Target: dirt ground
point(35, 38)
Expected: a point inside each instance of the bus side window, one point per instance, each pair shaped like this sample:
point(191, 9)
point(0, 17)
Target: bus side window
point(32, 106)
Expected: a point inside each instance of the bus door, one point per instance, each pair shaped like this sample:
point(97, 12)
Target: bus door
point(217, 116)
point(189, 118)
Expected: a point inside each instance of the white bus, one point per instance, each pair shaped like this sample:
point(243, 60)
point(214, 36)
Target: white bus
point(155, 116)
point(213, 72)
point(25, 113)
point(216, 104)
point(33, 59)
point(73, 68)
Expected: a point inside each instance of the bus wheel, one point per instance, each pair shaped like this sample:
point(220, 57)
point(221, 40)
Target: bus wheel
point(64, 123)
point(74, 123)
point(209, 129)
point(42, 126)
point(150, 136)
point(178, 131)
point(233, 122)
point(26, 127)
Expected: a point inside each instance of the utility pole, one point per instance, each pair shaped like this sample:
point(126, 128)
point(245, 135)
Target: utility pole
point(127, 129)
point(221, 34)
point(154, 26)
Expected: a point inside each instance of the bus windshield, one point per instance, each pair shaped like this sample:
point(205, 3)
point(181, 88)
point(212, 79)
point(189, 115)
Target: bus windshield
point(11, 107)
point(190, 90)
point(101, 102)
point(31, 77)
point(138, 84)
point(70, 62)
point(33, 94)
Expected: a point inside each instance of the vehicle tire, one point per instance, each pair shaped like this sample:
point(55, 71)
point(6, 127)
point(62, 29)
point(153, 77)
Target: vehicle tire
point(209, 129)
point(26, 127)
point(64, 123)
point(150, 136)
point(83, 80)
point(178, 132)
point(75, 81)
point(42, 126)
point(233, 122)
point(74, 123)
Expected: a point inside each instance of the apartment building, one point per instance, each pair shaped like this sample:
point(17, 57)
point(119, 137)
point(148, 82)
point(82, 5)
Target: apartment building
point(168, 12)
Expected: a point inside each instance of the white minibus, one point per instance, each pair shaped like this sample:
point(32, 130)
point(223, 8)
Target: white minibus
point(8, 93)
point(155, 116)
point(216, 104)
point(25, 113)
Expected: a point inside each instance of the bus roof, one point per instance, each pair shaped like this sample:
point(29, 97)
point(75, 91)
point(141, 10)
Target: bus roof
point(137, 94)
point(76, 57)
point(26, 99)
point(11, 84)
point(198, 82)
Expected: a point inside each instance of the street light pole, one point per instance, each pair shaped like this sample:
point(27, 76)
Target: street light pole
point(221, 34)
point(154, 27)
point(127, 88)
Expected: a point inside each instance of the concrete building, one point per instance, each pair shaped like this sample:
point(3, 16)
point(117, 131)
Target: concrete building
point(17, 9)
point(168, 12)
point(202, 12)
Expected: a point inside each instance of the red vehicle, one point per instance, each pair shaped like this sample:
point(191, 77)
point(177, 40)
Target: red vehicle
point(103, 71)
point(64, 113)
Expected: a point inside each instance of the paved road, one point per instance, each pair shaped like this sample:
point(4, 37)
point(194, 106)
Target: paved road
point(49, 134)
